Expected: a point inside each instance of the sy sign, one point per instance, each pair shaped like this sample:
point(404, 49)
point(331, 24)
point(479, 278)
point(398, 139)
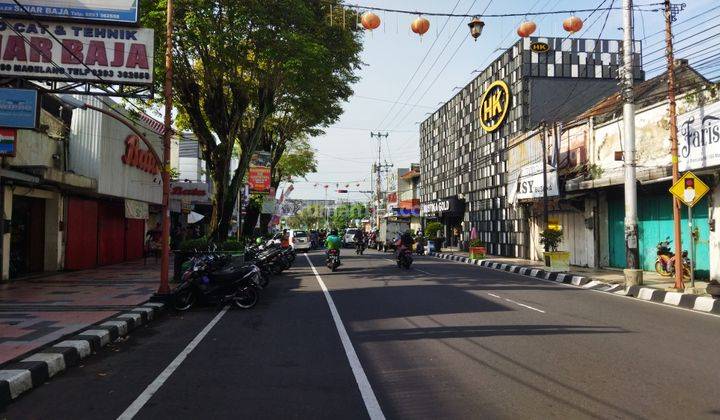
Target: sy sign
point(494, 106)
point(689, 189)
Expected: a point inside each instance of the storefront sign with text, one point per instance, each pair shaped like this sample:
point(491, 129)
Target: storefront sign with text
point(699, 138)
point(138, 157)
point(84, 52)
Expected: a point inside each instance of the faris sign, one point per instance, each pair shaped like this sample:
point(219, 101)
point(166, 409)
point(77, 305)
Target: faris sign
point(699, 139)
point(85, 52)
point(494, 106)
point(112, 11)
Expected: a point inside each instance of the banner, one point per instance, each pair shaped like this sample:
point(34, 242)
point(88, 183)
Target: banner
point(19, 108)
point(115, 11)
point(85, 52)
point(197, 192)
point(259, 172)
point(8, 141)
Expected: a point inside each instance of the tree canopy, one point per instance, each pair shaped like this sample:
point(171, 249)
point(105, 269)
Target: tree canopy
point(249, 71)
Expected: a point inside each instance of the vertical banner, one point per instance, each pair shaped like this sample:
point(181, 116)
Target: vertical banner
point(259, 172)
point(8, 141)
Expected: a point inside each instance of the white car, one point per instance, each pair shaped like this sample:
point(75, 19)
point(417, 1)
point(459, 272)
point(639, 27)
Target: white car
point(349, 237)
point(299, 240)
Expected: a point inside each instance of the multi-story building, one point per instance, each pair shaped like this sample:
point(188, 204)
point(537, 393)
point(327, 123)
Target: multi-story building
point(464, 143)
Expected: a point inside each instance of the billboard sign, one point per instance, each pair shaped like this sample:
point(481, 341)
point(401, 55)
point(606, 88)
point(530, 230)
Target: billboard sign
point(92, 53)
point(699, 138)
point(111, 11)
point(259, 172)
point(8, 141)
point(19, 108)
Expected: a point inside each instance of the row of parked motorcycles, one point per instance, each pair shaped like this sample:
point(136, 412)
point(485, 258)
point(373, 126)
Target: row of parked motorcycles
point(213, 278)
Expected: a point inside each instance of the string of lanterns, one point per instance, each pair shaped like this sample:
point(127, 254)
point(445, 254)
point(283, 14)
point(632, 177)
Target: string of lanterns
point(370, 21)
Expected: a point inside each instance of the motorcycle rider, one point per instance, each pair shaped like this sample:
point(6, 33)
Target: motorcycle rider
point(406, 241)
point(333, 241)
point(359, 238)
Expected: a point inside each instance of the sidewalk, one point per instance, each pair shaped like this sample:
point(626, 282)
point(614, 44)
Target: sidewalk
point(38, 311)
point(606, 275)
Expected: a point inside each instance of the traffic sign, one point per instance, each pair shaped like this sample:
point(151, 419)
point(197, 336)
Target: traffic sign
point(689, 189)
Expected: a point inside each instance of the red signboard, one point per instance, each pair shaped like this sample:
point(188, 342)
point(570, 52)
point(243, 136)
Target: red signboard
point(8, 141)
point(140, 158)
point(259, 172)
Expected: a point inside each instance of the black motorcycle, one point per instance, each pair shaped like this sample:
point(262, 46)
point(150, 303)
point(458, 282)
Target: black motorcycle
point(333, 259)
point(404, 259)
point(359, 247)
point(239, 285)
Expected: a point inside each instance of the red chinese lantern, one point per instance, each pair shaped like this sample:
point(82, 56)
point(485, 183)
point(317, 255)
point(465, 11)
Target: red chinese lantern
point(526, 28)
point(370, 21)
point(420, 26)
point(572, 24)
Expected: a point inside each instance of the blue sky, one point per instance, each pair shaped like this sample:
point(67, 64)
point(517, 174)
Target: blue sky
point(392, 53)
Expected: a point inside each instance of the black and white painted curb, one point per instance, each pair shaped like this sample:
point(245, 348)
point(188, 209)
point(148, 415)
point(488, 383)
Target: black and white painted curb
point(683, 300)
point(34, 370)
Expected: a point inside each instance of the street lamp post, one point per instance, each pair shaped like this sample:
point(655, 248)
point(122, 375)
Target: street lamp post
point(164, 288)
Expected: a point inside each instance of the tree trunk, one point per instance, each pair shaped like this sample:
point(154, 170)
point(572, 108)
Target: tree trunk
point(264, 220)
point(251, 217)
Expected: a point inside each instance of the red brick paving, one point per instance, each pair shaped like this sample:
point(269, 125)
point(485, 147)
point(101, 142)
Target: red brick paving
point(35, 312)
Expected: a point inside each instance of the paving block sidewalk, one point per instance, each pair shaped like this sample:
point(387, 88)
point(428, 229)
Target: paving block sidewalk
point(34, 312)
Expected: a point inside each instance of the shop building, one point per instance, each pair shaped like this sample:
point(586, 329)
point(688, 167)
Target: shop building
point(600, 183)
point(464, 144)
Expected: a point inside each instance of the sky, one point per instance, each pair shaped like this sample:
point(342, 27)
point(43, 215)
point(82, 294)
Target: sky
point(389, 99)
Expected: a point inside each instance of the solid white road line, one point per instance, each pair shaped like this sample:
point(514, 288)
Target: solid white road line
point(494, 295)
point(140, 401)
point(368, 395)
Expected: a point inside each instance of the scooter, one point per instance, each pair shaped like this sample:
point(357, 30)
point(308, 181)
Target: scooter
point(405, 259)
point(359, 247)
point(333, 259)
point(420, 248)
point(665, 260)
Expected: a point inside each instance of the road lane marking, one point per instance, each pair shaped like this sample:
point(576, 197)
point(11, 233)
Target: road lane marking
point(368, 395)
point(525, 306)
point(140, 401)
point(494, 295)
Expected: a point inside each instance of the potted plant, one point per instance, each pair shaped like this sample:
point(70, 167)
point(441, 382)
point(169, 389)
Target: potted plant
point(713, 289)
point(556, 260)
point(477, 249)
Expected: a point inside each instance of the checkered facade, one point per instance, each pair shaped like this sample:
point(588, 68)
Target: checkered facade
point(458, 158)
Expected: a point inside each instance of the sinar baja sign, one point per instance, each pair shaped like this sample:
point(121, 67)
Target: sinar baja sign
point(115, 11)
point(494, 106)
point(118, 55)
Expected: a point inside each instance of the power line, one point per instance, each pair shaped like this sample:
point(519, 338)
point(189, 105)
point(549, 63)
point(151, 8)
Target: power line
point(427, 53)
point(499, 15)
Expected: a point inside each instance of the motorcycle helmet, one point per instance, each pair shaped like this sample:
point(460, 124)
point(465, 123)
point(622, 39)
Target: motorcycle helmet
point(334, 232)
point(259, 241)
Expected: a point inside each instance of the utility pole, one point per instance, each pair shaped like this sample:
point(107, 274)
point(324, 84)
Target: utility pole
point(164, 288)
point(669, 17)
point(544, 172)
point(633, 274)
point(378, 169)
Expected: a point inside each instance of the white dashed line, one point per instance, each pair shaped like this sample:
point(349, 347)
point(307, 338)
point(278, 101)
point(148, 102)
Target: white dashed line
point(494, 295)
point(525, 306)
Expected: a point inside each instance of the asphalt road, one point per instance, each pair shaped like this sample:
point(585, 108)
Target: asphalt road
point(443, 340)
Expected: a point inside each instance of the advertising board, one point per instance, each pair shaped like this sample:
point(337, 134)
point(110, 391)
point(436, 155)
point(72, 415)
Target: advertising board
point(259, 172)
point(19, 108)
point(110, 54)
point(111, 11)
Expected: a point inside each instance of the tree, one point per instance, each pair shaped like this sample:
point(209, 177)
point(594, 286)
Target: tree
point(345, 214)
point(236, 62)
point(309, 217)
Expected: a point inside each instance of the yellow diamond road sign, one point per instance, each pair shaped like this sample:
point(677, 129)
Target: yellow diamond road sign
point(689, 189)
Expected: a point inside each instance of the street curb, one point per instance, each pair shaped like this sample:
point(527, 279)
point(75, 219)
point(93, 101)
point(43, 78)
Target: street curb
point(693, 302)
point(35, 369)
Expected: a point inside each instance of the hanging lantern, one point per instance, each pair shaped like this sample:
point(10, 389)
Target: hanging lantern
point(526, 28)
point(476, 26)
point(572, 24)
point(370, 21)
point(420, 26)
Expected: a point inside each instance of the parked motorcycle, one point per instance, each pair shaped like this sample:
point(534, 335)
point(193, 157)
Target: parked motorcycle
point(665, 260)
point(333, 259)
point(405, 259)
point(239, 285)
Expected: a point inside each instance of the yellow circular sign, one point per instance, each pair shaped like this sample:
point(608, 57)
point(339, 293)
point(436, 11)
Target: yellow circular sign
point(494, 106)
